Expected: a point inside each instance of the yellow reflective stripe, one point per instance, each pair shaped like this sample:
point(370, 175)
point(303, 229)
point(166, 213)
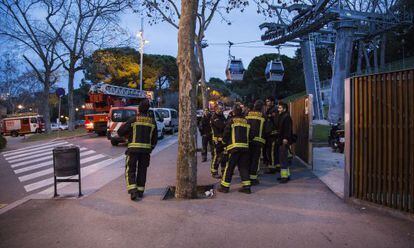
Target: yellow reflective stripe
point(126, 170)
point(253, 177)
point(274, 132)
point(258, 161)
point(246, 183)
point(278, 166)
point(284, 173)
point(237, 145)
point(223, 177)
point(258, 139)
point(139, 123)
point(139, 145)
point(225, 184)
point(131, 186)
point(213, 161)
point(288, 172)
point(240, 125)
point(141, 188)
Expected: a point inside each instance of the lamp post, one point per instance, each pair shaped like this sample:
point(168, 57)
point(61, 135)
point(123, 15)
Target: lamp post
point(142, 43)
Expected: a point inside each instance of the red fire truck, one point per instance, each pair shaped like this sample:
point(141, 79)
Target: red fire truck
point(104, 96)
point(22, 124)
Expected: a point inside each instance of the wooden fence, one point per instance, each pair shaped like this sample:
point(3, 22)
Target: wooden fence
point(379, 117)
point(301, 113)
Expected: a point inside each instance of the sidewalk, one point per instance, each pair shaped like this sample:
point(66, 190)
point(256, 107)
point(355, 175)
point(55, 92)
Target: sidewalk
point(302, 213)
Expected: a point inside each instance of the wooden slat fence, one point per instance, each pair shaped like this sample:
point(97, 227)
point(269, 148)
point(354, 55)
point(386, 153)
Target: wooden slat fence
point(380, 152)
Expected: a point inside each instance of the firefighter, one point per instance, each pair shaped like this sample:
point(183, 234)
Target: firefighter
point(236, 137)
point(142, 139)
point(217, 122)
point(205, 131)
point(258, 130)
point(284, 140)
point(271, 153)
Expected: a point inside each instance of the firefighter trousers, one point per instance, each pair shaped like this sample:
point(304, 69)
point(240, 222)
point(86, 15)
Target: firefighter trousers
point(206, 141)
point(285, 160)
point(273, 153)
point(241, 160)
point(219, 158)
point(255, 151)
point(136, 171)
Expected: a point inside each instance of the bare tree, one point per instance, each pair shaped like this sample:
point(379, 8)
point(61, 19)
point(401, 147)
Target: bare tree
point(85, 23)
point(187, 65)
point(20, 25)
point(168, 11)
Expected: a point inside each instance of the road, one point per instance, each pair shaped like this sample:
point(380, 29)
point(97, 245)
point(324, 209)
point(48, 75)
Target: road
point(27, 168)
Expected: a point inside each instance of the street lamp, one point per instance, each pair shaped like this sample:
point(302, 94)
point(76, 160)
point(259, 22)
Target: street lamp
point(142, 43)
point(76, 109)
point(20, 107)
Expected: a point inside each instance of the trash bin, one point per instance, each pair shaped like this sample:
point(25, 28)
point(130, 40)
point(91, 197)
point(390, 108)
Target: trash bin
point(66, 163)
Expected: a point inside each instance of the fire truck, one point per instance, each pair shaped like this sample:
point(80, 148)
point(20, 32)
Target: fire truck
point(21, 124)
point(104, 96)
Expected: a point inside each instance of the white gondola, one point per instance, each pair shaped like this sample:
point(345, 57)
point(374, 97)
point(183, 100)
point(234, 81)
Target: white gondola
point(274, 71)
point(235, 70)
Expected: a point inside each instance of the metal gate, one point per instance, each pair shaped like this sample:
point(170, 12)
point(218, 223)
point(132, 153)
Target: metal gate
point(379, 116)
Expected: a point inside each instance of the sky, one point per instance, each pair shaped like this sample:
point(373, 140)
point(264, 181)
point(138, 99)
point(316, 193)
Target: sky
point(163, 40)
point(245, 27)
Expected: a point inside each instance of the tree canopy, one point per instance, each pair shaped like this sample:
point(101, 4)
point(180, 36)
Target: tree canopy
point(121, 66)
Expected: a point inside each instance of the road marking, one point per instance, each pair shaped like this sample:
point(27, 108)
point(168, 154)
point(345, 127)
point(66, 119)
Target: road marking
point(33, 161)
point(47, 163)
point(84, 171)
point(28, 147)
point(24, 157)
point(34, 149)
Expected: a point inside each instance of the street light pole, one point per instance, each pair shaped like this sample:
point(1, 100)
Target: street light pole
point(142, 43)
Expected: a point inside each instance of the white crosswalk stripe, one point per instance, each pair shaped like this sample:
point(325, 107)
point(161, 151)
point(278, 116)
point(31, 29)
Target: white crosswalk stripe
point(34, 164)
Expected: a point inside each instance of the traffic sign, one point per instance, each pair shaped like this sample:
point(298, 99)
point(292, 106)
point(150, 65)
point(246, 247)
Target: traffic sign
point(60, 92)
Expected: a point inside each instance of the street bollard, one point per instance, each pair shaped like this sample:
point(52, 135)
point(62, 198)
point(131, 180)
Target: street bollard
point(66, 163)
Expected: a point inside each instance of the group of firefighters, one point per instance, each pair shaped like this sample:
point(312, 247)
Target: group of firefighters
point(239, 140)
point(242, 138)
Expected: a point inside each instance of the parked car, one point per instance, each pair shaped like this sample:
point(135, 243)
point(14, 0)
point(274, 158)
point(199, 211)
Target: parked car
point(119, 115)
point(170, 117)
point(79, 123)
point(55, 126)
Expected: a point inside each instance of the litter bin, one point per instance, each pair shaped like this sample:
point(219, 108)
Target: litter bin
point(66, 163)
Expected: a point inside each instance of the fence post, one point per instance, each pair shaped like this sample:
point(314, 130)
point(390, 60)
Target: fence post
point(348, 137)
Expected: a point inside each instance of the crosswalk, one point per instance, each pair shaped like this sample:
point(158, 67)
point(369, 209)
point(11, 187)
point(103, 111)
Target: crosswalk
point(33, 165)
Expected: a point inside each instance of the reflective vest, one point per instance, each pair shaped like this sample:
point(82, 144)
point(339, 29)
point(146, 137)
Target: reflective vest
point(239, 134)
point(256, 121)
point(142, 132)
point(218, 122)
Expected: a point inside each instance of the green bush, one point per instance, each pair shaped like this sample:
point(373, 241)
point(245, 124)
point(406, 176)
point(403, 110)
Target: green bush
point(3, 142)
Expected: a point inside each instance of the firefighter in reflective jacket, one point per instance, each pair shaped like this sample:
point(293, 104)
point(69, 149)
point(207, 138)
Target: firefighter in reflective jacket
point(284, 140)
point(258, 129)
point(236, 137)
point(271, 147)
point(217, 122)
point(142, 138)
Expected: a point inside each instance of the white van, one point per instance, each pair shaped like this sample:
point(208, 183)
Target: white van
point(170, 117)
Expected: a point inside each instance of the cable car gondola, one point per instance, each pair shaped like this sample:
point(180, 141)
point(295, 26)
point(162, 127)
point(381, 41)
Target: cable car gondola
point(274, 71)
point(235, 70)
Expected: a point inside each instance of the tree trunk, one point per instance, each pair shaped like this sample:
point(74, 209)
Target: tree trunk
point(204, 93)
point(366, 56)
point(45, 102)
point(187, 156)
point(360, 57)
point(376, 60)
point(383, 51)
point(71, 72)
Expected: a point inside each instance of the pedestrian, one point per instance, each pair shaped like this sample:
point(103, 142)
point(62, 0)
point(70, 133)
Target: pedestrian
point(270, 152)
point(236, 137)
point(141, 131)
point(205, 132)
point(285, 140)
point(258, 130)
point(217, 122)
